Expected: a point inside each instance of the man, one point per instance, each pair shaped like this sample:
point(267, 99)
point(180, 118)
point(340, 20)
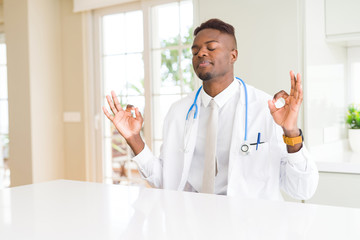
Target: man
point(207, 135)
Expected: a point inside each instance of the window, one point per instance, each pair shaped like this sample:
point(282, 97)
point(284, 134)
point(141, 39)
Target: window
point(173, 77)
point(148, 65)
point(4, 119)
point(123, 71)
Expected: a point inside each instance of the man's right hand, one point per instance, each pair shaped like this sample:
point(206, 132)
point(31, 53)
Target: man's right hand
point(128, 126)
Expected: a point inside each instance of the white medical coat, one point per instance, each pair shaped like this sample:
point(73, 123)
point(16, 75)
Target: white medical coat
point(260, 174)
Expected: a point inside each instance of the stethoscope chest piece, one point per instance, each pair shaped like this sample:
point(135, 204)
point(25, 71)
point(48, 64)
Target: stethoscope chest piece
point(245, 149)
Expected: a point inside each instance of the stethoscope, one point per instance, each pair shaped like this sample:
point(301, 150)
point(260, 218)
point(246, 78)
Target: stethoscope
point(245, 147)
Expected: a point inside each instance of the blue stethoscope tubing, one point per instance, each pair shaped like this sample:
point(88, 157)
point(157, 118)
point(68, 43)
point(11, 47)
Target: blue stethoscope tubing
point(195, 107)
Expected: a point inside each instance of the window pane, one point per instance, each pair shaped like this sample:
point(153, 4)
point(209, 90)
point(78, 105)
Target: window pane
point(165, 26)
point(107, 124)
point(187, 71)
point(135, 74)
point(134, 32)
point(3, 82)
point(161, 105)
point(4, 117)
point(166, 72)
point(113, 34)
point(2, 53)
point(137, 101)
point(4, 147)
point(186, 19)
point(107, 164)
point(122, 33)
point(114, 75)
point(119, 155)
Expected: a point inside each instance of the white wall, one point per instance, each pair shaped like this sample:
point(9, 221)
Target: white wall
point(73, 90)
point(46, 89)
point(268, 38)
point(35, 90)
point(46, 78)
point(16, 29)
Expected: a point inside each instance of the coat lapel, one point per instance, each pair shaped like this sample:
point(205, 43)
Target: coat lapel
point(189, 149)
point(238, 133)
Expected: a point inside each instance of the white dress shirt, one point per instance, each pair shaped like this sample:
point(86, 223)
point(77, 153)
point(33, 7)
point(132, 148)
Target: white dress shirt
point(227, 102)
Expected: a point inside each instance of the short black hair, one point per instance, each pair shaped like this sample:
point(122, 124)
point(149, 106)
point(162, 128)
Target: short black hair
point(217, 24)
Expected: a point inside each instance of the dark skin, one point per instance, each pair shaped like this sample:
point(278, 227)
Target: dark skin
point(214, 55)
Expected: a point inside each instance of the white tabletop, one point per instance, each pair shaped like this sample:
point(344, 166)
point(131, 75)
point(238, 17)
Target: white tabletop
point(78, 210)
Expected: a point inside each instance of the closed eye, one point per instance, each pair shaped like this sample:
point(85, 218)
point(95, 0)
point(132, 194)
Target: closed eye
point(195, 53)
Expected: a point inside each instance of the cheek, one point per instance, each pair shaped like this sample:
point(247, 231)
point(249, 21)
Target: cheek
point(226, 59)
point(223, 59)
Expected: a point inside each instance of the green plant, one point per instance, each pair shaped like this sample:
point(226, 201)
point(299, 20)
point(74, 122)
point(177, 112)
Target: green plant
point(353, 116)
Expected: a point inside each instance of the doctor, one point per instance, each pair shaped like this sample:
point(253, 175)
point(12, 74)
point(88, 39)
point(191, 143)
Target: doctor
point(228, 137)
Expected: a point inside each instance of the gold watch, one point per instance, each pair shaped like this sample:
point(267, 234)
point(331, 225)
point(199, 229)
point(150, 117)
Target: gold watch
point(295, 140)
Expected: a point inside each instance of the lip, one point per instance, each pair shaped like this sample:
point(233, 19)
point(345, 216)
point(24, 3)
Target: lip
point(204, 64)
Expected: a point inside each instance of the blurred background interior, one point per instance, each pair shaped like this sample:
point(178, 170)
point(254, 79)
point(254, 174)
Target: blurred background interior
point(60, 58)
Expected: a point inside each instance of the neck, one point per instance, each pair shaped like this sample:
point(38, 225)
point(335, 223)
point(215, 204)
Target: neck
point(215, 86)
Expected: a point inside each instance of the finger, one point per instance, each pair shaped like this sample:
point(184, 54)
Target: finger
point(301, 95)
point(108, 115)
point(138, 114)
point(293, 83)
point(131, 110)
point(111, 104)
point(272, 106)
point(281, 94)
point(129, 107)
point(298, 87)
point(116, 101)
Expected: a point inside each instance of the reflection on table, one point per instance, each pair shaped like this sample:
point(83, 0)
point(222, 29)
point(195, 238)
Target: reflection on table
point(78, 210)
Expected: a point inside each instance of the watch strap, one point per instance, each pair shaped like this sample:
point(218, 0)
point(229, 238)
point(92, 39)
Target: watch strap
point(294, 140)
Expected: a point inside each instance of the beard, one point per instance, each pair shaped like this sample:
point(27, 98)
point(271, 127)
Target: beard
point(205, 76)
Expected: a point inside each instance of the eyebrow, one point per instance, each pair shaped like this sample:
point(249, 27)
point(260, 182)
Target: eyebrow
point(194, 46)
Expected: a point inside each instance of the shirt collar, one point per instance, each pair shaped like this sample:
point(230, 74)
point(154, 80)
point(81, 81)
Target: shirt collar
point(222, 97)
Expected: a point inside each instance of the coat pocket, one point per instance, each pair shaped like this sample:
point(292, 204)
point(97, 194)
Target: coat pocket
point(256, 165)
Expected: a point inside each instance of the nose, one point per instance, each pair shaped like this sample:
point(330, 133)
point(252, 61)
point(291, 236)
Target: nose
point(203, 52)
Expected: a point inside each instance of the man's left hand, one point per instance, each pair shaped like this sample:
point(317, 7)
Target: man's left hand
point(287, 115)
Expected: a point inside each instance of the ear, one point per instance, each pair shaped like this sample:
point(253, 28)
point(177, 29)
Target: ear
point(233, 55)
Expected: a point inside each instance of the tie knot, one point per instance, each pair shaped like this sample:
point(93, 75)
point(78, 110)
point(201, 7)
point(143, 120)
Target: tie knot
point(213, 104)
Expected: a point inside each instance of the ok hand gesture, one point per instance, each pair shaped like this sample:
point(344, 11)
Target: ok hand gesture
point(287, 115)
point(125, 123)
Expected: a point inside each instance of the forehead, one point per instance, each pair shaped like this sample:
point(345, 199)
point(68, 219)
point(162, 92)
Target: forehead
point(209, 34)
